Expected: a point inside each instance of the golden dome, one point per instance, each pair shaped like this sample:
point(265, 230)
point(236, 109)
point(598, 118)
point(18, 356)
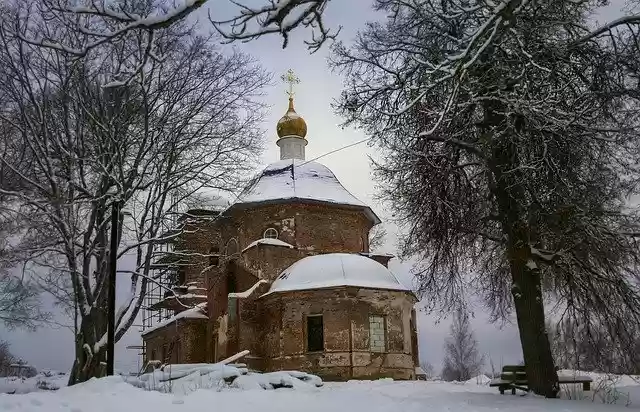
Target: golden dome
point(291, 124)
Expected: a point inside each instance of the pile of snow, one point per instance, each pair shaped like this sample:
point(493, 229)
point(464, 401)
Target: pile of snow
point(44, 381)
point(186, 378)
point(276, 380)
point(480, 380)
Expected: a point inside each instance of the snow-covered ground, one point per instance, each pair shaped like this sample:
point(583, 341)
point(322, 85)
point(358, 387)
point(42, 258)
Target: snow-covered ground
point(46, 381)
point(114, 395)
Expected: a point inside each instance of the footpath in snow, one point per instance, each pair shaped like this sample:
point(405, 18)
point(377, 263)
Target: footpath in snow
point(114, 395)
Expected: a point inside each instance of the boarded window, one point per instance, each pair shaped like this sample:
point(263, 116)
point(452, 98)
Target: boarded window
point(377, 338)
point(315, 333)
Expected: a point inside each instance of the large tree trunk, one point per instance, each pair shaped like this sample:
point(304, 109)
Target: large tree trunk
point(527, 298)
point(87, 364)
point(526, 287)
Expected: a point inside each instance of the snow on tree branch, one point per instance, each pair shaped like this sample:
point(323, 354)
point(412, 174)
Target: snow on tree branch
point(102, 25)
point(279, 16)
point(606, 28)
point(174, 128)
point(508, 157)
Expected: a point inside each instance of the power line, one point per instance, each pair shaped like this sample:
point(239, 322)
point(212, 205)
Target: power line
point(335, 151)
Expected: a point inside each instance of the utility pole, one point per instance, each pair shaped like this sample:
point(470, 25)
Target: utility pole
point(111, 297)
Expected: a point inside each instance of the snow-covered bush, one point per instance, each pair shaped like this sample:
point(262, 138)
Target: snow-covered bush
point(606, 389)
point(41, 382)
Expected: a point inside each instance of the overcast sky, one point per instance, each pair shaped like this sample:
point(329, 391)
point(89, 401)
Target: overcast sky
point(53, 347)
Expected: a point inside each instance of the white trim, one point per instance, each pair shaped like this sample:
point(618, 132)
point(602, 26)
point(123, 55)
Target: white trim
point(272, 229)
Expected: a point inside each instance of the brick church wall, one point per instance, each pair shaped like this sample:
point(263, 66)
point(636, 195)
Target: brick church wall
point(199, 238)
point(311, 227)
point(268, 261)
point(346, 320)
point(329, 230)
point(273, 328)
point(188, 338)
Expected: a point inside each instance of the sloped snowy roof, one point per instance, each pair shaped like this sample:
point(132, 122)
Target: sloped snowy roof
point(335, 269)
point(293, 179)
point(267, 241)
point(209, 202)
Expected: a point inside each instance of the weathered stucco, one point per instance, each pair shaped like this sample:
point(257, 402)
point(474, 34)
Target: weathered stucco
point(347, 351)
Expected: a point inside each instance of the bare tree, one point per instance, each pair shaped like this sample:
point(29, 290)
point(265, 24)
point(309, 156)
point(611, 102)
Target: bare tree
point(6, 357)
point(590, 348)
point(377, 237)
point(429, 370)
point(20, 304)
point(462, 360)
point(102, 23)
point(468, 34)
point(510, 137)
point(175, 127)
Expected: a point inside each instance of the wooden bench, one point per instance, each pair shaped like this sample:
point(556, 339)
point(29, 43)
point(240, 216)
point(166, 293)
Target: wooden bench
point(515, 377)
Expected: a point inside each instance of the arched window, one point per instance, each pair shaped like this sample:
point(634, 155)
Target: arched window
point(232, 247)
point(270, 233)
point(214, 256)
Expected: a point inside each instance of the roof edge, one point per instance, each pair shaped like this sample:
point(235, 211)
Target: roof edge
point(409, 291)
point(246, 205)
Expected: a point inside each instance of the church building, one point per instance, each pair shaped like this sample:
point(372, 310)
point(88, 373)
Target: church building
point(286, 273)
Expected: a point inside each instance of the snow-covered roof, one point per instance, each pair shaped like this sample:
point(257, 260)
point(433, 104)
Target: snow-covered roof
point(267, 241)
point(248, 292)
point(333, 270)
point(208, 200)
point(373, 254)
point(197, 312)
point(295, 179)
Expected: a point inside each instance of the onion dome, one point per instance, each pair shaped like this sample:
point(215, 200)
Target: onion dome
point(291, 124)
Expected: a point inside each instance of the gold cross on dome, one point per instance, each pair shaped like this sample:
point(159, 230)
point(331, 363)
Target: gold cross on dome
point(291, 78)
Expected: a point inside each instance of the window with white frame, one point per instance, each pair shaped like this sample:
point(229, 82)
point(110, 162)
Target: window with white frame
point(377, 338)
point(270, 233)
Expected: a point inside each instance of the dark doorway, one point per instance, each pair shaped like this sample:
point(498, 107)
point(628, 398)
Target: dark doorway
point(315, 333)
